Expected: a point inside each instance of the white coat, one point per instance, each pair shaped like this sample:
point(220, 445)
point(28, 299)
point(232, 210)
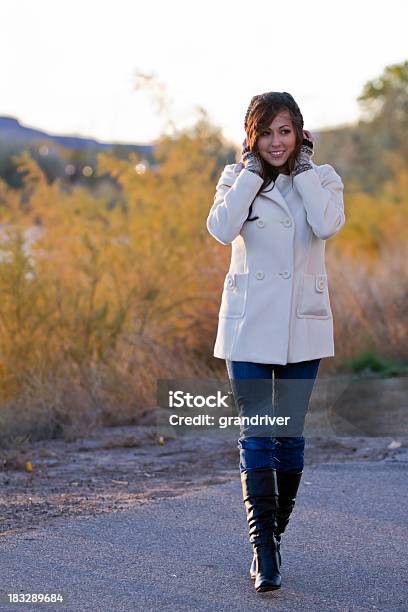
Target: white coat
point(275, 305)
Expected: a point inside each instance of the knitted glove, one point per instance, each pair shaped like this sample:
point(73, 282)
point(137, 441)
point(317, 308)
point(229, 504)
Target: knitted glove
point(302, 162)
point(249, 160)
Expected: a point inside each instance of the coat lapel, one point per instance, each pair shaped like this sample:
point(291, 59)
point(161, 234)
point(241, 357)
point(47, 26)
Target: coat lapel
point(276, 197)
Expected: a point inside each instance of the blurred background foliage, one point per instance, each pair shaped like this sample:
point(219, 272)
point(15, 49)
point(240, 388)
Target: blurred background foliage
point(109, 279)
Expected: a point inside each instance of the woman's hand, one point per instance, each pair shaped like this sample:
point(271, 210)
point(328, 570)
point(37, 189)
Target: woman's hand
point(302, 162)
point(308, 141)
point(249, 160)
point(308, 135)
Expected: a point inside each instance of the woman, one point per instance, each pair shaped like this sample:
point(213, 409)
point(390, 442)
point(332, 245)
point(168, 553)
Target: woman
point(275, 320)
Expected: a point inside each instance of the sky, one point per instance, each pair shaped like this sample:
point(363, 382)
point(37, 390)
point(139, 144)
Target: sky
point(74, 67)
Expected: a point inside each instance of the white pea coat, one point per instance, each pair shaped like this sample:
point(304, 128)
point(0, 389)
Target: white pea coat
point(275, 307)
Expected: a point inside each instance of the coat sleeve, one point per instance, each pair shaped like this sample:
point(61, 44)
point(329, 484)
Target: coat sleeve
point(234, 194)
point(323, 200)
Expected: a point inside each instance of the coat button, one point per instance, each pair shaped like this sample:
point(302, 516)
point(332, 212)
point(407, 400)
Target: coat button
point(320, 284)
point(287, 222)
point(260, 275)
point(285, 274)
point(260, 223)
point(230, 281)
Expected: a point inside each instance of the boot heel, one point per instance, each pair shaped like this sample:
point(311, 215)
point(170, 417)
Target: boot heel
point(267, 576)
point(252, 569)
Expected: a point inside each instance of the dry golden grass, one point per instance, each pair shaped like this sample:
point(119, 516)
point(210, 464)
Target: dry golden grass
point(369, 302)
point(105, 301)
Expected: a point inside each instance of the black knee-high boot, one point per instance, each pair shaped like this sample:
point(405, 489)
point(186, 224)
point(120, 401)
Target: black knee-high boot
point(288, 485)
point(260, 494)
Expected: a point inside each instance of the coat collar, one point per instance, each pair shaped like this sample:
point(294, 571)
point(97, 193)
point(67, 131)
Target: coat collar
point(230, 174)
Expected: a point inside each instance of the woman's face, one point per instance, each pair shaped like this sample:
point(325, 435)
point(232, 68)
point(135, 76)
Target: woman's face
point(280, 137)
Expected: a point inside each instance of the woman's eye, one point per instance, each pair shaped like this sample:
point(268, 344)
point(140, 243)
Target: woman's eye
point(283, 132)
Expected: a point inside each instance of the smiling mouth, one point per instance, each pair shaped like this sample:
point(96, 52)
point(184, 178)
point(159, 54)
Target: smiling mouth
point(276, 153)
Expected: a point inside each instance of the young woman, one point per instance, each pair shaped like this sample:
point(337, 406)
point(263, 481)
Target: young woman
point(275, 320)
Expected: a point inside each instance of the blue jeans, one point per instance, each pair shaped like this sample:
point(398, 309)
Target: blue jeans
point(281, 453)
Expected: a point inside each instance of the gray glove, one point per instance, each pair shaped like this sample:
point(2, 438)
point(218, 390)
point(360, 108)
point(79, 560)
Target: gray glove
point(250, 160)
point(302, 162)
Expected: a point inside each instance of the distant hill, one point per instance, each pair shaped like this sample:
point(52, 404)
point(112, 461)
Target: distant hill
point(12, 132)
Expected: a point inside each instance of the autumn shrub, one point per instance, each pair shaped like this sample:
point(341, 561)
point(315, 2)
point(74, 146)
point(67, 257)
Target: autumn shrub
point(102, 302)
point(99, 300)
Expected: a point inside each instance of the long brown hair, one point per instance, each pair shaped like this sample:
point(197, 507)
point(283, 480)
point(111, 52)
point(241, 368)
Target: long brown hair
point(262, 110)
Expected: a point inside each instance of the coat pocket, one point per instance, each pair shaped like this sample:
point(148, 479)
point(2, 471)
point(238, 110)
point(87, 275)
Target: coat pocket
point(234, 295)
point(314, 297)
